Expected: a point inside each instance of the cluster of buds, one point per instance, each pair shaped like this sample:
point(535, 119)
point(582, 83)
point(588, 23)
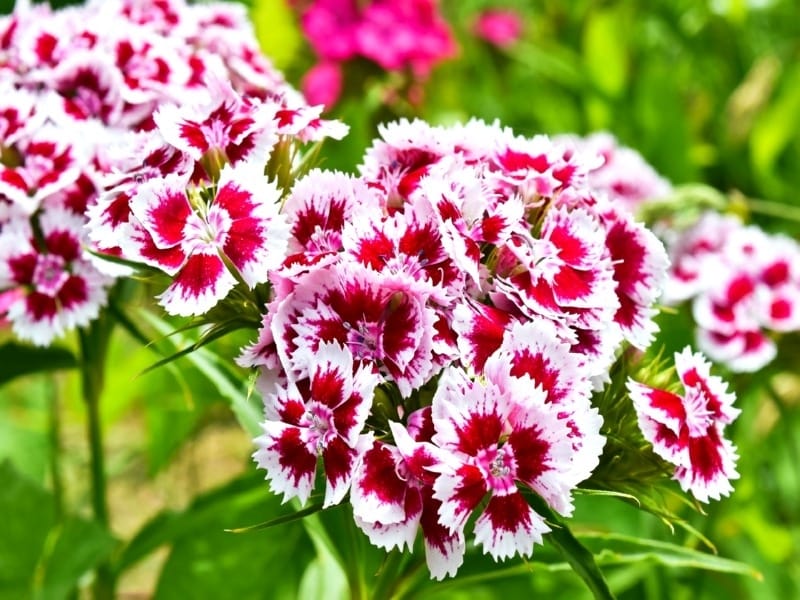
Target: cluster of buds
point(744, 285)
point(83, 86)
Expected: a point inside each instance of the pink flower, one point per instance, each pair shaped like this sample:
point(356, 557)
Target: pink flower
point(500, 27)
point(193, 238)
point(687, 430)
point(392, 496)
point(57, 288)
point(330, 27)
point(318, 417)
point(395, 35)
point(499, 434)
point(322, 84)
point(383, 322)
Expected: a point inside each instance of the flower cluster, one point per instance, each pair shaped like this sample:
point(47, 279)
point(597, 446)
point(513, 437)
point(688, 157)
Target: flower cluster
point(82, 87)
point(436, 329)
point(394, 35)
point(744, 285)
point(688, 431)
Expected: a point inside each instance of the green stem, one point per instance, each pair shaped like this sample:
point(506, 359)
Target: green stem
point(577, 555)
point(54, 426)
point(389, 576)
point(93, 346)
point(773, 209)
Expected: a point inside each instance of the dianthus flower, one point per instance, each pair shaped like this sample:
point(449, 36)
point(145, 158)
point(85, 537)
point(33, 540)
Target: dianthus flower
point(58, 288)
point(487, 287)
point(688, 430)
point(743, 284)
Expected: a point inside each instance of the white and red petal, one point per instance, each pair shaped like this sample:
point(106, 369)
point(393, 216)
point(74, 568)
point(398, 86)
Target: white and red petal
point(742, 351)
point(640, 267)
point(480, 328)
point(200, 283)
point(290, 464)
point(257, 235)
point(378, 493)
point(535, 350)
point(444, 549)
point(688, 430)
point(459, 491)
point(319, 205)
point(509, 526)
point(695, 372)
point(379, 321)
point(162, 207)
point(712, 466)
point(661, 417)
point(340, 460)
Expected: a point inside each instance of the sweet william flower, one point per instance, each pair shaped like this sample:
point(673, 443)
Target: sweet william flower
point(499, 435)
point(206, 245)
point(392, 496)
point(322, 84)
point(688, 430)
point(320, 416)
point(57, 288)
point(500, 27)
point(381, 319)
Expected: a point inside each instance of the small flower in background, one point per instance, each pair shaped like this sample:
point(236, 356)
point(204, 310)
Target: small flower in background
point(501, 27)
point(744, 286)
point(688, 430)
point(322, 84)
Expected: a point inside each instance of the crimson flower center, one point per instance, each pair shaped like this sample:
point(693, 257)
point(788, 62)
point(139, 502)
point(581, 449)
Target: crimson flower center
point(49, 275)
point(499, 468)
point(213, 230)
point(319, 420)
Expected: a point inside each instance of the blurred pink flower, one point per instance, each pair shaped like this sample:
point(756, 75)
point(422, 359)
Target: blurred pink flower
point(330, 27)
point(395, 35)
point(501, 27)
point(322, 84)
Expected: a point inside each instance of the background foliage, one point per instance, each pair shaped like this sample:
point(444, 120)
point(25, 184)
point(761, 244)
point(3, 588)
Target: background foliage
point(708, 91)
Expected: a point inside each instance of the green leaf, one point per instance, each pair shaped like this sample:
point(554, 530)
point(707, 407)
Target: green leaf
point(206, 561)
point(777, 126)
point(577, 555)
point(170, 526)
point(77, 547)
point(218, 372)
point(28, 514)
point(40, 557)
point(299, 514)
point(19, 359)
point(614, 548)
